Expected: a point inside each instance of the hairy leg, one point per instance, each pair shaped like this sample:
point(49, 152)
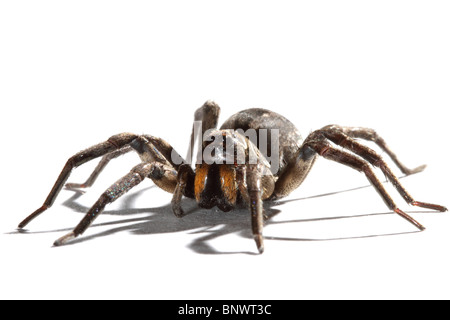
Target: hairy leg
point(255, 193)
point(372, 135)
point(208, 116)
point(184, 187)
point(112, 144)
point(317, 142)
point(99, 168)
point(123, 185)
point(340, 138)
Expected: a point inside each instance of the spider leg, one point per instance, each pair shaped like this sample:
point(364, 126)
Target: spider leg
point(317, 142)
point(99, 168)
point(157, 148)
point(341, 139)
point(184, 187)
point(113, 143)
point(255, 192)
point(372, 135)
point(154, 170)
point(208, 116)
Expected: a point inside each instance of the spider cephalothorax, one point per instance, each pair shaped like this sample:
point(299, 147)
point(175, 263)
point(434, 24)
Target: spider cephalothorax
point(256, 155)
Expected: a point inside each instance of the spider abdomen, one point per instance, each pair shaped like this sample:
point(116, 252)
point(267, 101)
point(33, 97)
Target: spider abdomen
point(269, 128)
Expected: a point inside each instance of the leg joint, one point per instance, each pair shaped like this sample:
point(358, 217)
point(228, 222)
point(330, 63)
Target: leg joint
point(120, 140)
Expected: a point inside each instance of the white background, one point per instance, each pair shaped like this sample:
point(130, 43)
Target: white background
point(74, 73)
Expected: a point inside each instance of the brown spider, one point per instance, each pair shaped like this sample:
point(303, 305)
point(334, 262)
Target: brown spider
point(232, 165)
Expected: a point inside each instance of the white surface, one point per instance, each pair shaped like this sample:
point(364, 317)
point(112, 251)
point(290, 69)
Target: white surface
point(72, 74)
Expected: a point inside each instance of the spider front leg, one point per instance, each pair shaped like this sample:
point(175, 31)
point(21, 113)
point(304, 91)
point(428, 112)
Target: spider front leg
point(207, 117)
point(155, 170)
point(184, 187)
point(255, 193)
point(99, 168)
point(255, 187)
point(113, 143)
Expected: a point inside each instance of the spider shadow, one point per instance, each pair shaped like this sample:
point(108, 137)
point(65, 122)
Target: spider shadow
point(210, 224)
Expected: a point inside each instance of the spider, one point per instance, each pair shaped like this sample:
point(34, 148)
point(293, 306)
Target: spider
point(235, 167)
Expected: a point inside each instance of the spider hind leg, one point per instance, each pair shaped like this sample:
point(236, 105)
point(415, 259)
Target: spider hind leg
point(318, 142)
point(339, 136)
point(371, 135)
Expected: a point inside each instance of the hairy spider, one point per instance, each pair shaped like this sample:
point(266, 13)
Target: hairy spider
point(232, 165)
